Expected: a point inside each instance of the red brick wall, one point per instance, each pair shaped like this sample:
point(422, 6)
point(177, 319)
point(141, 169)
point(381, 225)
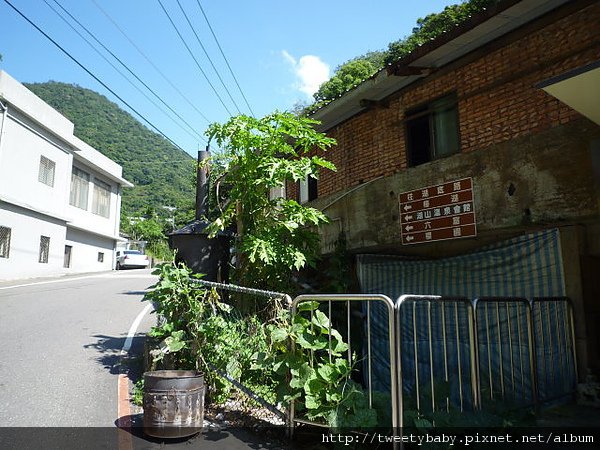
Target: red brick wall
point(497, 101)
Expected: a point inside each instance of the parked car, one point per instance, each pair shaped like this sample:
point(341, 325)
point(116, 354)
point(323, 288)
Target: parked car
point(130, 259)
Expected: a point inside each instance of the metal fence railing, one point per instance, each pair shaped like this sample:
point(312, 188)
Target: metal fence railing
point(361, 319)
point(505, 350)
point(246, 403)
point(436, 354)
point(554, 341)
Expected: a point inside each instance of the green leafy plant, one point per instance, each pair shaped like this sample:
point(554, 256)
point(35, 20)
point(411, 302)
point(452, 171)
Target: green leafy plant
point(274, 235)
point(315, 373)
point(137, 394)
point(198, 331)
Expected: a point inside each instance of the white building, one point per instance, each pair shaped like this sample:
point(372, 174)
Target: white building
point(60, 199)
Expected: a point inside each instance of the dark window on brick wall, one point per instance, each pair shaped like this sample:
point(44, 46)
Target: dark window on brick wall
point(432, 131)
point(308, 190)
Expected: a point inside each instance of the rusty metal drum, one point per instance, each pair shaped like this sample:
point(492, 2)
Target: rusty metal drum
point(173, 403)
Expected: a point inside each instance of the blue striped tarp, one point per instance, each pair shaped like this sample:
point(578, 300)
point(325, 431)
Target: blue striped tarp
point(527, 266)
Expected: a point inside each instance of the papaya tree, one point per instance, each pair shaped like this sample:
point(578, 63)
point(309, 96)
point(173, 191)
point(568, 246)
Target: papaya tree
point(275, 235)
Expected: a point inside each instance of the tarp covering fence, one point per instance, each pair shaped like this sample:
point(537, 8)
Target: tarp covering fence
point(523, 345)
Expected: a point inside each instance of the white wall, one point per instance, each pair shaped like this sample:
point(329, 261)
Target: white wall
point(84, 255)
point(29, 129)
point(26, 229)
point(19, 169)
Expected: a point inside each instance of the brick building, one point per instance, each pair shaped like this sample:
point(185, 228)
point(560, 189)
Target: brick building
point(508, 101)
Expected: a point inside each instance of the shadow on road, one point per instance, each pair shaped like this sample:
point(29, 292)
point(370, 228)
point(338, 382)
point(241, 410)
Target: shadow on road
point(109, 354)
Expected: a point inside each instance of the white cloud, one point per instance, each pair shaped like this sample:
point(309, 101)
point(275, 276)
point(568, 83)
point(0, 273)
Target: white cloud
point(310, 71)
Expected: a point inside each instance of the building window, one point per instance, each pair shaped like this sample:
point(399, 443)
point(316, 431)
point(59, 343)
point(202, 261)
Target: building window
point(276, 193)
point(100, 257)
point(432, 131)
point(308, 189)
point(4, 242)
point(46, 173)
point(80, 185)
point(101, 202)
point(44, 249)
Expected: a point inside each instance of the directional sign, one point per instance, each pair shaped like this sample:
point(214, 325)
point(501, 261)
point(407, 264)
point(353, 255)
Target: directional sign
point(437, 213)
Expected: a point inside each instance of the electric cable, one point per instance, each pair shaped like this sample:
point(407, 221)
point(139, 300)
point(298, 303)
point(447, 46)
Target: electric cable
point(149, 61)
point(208, 56)
point(225, 58)
point(141, 116)
point(193, 134)
point(193, 57)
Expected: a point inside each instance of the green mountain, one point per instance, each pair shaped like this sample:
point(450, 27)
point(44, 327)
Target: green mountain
point(163, 175)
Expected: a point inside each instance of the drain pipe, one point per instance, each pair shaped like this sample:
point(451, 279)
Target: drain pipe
point(4, 115)
point(202, 184)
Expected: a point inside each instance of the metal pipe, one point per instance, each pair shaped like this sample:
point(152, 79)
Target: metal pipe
point(369, 363)
point(532, 354)
point(561, 347)
point(4, 115)
point(520, 340)
point(348, 317)
point(488, 343)
point(445, 344)
point(510, 349)
point(431, 374)
point(473, 354)
point(202, 185)
point(329, 329)
point(396, 417)
point(550, 345)
point(499, 340)
point(460, 390)
point(541, 348)
point(416, 355)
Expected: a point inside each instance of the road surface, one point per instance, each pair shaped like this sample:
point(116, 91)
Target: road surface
point(61, 341)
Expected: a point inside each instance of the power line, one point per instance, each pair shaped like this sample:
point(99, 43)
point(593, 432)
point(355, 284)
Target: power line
point(193, 57)
point(193, 134)
point(91, 74)
point(139, 50)
point(225, 58)
point(208, 56)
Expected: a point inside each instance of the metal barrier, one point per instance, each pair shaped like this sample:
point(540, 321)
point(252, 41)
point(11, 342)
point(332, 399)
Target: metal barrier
point(435, 350)
point(505, 350)
point(444, 352)
point(554, 341)
point(249, 403)
point(351, 332)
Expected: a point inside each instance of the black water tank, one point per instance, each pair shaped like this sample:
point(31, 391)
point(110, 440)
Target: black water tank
point(200, 253)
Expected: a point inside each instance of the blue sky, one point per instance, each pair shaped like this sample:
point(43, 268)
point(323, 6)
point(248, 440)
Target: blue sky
point(280, 51)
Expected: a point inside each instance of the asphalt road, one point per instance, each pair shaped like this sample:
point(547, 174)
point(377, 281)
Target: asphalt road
point(60, 346)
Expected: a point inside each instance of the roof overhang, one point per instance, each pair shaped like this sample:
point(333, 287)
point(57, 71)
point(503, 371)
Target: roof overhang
point(479, 30)
point(579, 89)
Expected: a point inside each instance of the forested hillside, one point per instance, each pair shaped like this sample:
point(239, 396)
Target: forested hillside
point(163, 175)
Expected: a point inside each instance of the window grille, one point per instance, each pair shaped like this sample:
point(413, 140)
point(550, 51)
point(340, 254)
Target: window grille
point(101, 202)
point(67, 260)
point(80, 185)
point(4, 242)
point(100, 257)
point(44, 249)
point(46, 173)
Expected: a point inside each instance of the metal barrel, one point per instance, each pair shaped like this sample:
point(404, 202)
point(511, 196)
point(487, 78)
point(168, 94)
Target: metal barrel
point(173, 403)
